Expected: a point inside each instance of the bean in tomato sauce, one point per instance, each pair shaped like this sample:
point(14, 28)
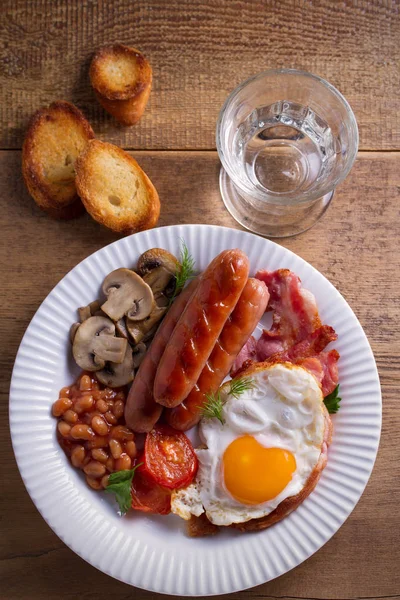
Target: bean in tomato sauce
point(91, 429)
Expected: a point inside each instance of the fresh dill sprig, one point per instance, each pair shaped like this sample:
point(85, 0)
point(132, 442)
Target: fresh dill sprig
point(185, 270)
point(213, 407)
point(332, 401)
point(238, 386)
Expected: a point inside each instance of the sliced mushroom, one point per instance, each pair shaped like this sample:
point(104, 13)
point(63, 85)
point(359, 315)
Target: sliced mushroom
point(158, 269)
point(138, 354)
point(127, 294)
point(138, 329)
point(90, 310)
point(94, 307)
point(161, 300)
point(122, 331)
point(84, 313)
point(72, 331)
point(147, 338)
point(116, 375)
point(95, 344)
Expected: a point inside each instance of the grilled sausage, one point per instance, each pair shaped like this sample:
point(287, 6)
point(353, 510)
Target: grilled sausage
point(141, 410)
point(199, 327)
point(237, 329)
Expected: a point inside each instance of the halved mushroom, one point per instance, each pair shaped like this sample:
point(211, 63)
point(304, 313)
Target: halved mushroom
point(84, 313)
point(127, 294)
point(90, 310)
point(138, 329)
point(138, 354)
point(147, 338)
point(122, 331)
point(115, 375)
point(161, 300)
point(95, 344)
point(158, 268)
point(72, 331)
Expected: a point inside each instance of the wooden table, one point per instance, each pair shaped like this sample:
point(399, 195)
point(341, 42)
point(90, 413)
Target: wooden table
point(199, 51)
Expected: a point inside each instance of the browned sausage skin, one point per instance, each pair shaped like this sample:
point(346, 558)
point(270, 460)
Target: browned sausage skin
point(199, 327)
point(142, 411)
point(237, 329)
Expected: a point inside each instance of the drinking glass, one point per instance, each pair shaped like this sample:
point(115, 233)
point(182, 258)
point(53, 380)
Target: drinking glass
point(286, 139)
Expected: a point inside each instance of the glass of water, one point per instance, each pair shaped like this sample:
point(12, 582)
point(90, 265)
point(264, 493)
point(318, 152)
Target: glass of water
point(285, 139)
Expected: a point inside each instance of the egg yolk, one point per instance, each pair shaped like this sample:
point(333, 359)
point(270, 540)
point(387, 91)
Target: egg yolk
point(254, 474)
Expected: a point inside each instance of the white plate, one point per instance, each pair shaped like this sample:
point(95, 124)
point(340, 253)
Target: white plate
point(153, 552)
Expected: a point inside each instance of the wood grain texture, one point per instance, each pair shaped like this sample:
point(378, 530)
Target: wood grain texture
point(199, 50)
point(355, 245)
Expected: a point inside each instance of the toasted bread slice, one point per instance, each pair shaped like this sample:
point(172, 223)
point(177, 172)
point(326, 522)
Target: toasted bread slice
point(114, 189)
point(56, 136)
point(121, 77)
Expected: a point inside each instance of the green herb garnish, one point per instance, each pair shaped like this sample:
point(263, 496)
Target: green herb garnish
point(238, 386)
point(119, 483)
point(185, 270)
point(212, 409)
point(332, 401)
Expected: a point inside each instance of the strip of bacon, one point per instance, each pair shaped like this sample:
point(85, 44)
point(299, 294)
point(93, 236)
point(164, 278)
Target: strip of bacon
point(295, 312)
point(324, 367)
point(295, 316)
point(296, 334)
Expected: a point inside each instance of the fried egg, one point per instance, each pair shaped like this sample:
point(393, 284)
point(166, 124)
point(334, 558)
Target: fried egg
point(262, 453)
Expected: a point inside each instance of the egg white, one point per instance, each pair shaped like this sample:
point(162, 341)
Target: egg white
point(284, 409)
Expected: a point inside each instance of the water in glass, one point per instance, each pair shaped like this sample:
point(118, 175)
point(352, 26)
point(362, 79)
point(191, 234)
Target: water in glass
point(284, 148)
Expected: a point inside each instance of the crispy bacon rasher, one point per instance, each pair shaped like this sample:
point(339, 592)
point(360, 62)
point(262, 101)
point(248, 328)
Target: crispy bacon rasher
point(296, 335)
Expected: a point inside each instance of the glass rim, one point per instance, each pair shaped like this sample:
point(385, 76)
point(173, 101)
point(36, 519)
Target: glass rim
point(304, 196)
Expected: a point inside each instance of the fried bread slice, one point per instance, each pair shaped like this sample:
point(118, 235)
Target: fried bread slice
point(115, 191)
point(200, 525)
point(56, 136)
point(121, 78)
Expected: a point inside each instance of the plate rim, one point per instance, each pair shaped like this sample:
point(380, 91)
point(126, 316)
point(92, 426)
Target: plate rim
point(116, 243)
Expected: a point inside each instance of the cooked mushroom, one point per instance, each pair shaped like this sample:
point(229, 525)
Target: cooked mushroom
point(90, 310)
point(147, 338)
point(120, 326)
point(161, 300)
point(84, 313)
point(72, 331)
point(116, 375)
point(138, 329)
point(127, 294)
point(94, 307)
point(95, 344)
point(138, 354)
point(158, 269)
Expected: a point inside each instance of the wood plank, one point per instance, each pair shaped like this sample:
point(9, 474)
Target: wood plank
point(200, 50)
point(355, 245)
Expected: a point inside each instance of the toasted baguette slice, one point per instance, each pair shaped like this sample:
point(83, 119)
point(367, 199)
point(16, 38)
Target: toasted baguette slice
point(56, 136)
point(121, 77)
point(114, 189)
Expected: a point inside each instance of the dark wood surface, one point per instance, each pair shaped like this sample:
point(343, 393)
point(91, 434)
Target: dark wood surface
point(199, 51)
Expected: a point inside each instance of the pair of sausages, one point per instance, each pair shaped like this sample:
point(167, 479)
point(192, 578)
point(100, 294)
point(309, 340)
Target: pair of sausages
point(196, 344)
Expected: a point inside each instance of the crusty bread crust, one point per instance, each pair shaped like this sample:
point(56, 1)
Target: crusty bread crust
point(121, 77)
point(289, 504)
point(201, 526)
point(55, 137)
point(115, 190)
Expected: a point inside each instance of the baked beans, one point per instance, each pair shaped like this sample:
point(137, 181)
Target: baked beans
point(91, 429)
